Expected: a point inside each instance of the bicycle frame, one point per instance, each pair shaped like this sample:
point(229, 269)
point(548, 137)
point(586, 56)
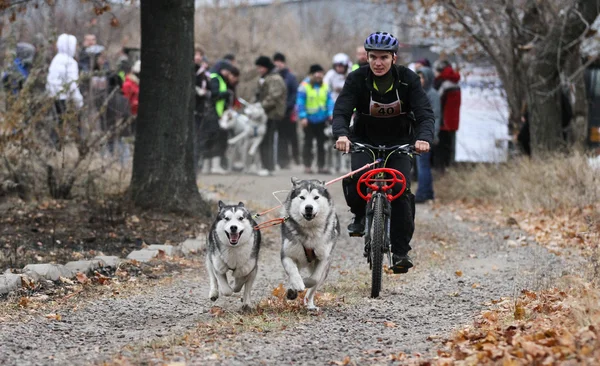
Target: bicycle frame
point(379, 183)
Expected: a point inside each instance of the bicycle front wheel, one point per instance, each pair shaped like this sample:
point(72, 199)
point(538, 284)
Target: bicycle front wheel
point(377, 244)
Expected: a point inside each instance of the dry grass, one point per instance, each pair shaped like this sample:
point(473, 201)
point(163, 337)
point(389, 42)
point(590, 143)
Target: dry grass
point(554, 183)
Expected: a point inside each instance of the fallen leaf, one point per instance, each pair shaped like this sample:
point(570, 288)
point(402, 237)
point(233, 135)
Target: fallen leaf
point(345, 362)
point(53, 316)
point(23, 302)
point(458, 273)
point(82, 278)
point(475, 285)
point(534, 349)
point(279, 291)
point(27, 283)
point(519, 311)
point(216, 311)
point(389, 324)
point(66, 280)
point(102, 280)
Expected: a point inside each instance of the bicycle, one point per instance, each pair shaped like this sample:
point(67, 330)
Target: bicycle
point(379, 182)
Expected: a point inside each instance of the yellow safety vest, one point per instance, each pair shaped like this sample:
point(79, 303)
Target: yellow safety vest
point(316, 100)
point(220, 104)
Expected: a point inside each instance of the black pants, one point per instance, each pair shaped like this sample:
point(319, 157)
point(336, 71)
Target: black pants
point(287, 142)
point(443, 153)
point(266, 147)
point(212, 140)
point(314, 131)
point(402, 225)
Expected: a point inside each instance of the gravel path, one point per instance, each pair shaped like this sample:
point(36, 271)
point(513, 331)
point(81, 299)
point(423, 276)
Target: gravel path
point(431, 300)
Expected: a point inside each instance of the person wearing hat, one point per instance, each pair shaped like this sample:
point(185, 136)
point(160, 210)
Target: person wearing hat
point(315, 108)
point(272, 96)
point(286, 131)
point(213, 139)
point(14, 78)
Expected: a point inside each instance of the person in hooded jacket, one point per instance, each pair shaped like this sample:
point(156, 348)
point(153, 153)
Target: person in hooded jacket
point(272, 96)
point(425, 187)
point(14, 78)
point(391, 109)
point(62, 81)
point(446, 83)
point(63, 74)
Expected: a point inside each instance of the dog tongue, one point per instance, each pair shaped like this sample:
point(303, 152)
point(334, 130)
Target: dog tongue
point(234, 237)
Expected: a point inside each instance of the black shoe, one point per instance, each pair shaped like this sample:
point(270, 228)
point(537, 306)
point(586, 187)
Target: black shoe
point(401, 263)
point(357, 226)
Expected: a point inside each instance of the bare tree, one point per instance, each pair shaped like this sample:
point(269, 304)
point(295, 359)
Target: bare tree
point(528, 42)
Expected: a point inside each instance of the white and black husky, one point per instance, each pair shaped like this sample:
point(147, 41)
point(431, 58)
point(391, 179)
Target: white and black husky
point(233, 245)
point(309, 235)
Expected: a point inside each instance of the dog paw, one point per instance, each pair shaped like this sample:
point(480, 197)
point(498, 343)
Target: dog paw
point(214, 295)
point(227, 292)
point(292, 294)
point(246, 309)
point(309, 282)
point(313, 308)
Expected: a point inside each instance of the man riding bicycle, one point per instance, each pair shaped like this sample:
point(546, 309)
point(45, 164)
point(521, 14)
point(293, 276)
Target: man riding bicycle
point(391, 109)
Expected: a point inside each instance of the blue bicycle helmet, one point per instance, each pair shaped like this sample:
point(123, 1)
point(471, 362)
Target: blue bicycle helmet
point(381, 41)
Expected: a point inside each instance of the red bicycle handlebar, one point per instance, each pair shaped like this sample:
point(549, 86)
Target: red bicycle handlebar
point(369, 180)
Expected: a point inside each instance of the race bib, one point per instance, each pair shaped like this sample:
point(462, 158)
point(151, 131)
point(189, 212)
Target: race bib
point(383, 110)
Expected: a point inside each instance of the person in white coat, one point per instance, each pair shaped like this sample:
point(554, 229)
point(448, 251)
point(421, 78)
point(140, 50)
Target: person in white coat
point(63, 74)
point(336, 77)
point(61, 83)
point(335, 80)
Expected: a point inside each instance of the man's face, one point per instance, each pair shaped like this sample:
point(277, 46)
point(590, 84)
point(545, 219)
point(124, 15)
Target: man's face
point(262, 70)
point(340, 69)
point(279, 64)
point(198, 58)
point(361, 54)
point(101, 60)
point(89, 40)
point(381, 62)
point(422, 79)
point(232, 80)
point(317, 77)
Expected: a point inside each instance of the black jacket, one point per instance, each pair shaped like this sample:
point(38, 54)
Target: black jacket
point(416, 123)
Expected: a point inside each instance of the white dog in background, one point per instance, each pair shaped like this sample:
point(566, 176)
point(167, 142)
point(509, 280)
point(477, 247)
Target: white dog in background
point(248, 128)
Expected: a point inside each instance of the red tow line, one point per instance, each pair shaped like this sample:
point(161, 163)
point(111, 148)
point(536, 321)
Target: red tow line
point(281, 220)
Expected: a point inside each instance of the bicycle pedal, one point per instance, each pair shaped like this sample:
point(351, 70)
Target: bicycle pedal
point(356, 235)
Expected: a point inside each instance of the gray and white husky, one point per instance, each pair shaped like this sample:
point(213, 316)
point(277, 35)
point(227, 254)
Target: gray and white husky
point(233, 245)
point(309, 235)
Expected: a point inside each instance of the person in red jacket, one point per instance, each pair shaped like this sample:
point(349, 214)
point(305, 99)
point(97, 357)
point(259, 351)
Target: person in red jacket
point(131, 91)
point(446, 83)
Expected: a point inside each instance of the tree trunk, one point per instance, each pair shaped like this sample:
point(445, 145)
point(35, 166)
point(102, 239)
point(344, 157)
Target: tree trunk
point(163, 171)
point(544, 75)
point(545, 123)
point(578, 130)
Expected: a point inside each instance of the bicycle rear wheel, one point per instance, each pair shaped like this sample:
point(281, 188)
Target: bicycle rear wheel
point(377, 244)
